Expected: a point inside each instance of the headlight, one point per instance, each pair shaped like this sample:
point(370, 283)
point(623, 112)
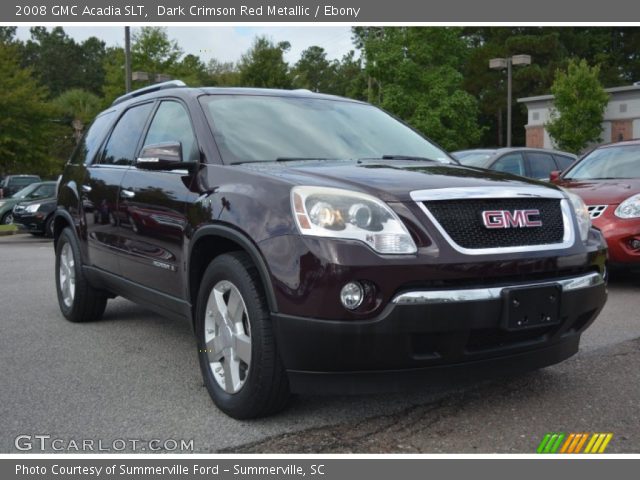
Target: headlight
point(33, 208)
point(630, 208)
point(337, 213)
point(582, 213)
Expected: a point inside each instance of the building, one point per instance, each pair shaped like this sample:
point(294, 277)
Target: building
point(621, 117)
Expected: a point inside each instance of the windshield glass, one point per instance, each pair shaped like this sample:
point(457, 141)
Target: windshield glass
point(475, 159)
point(608, 163)
point(25, 191)
point(265, 129)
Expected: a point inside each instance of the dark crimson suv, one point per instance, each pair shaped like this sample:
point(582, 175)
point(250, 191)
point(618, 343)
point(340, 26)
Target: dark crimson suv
point(319, 245)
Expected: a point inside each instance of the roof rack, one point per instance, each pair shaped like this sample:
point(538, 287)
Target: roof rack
point(151, 88)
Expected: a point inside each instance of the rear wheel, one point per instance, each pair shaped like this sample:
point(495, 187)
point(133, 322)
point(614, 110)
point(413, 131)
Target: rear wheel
point(238, 356)
point(78, 300)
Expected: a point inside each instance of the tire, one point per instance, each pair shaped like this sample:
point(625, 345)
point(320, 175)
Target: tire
point(78, 300)
point(48, 227)
point(264, 388)
point(7, 218)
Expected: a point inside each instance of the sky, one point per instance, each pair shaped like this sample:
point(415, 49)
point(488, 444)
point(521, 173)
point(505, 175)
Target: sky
point(226, 44)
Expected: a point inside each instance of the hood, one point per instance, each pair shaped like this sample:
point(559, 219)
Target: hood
point(391, 180)
point(603, 192)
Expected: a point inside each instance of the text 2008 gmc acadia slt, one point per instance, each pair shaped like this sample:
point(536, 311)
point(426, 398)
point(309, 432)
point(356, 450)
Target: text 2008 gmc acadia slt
point(319, 245)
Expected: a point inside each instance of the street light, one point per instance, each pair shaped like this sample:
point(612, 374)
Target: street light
point(501, 64)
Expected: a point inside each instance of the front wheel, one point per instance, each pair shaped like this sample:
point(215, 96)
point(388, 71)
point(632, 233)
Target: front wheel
point(7, 218)
point(78, 300)
point(238, 356)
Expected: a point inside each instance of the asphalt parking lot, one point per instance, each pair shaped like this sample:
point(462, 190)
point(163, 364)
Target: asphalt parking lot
point(134, 375)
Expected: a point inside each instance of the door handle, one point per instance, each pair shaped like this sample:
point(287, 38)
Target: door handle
point(86, 188)
point(127, 194)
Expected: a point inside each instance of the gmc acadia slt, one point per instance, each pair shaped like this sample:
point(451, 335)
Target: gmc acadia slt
point(317, 244)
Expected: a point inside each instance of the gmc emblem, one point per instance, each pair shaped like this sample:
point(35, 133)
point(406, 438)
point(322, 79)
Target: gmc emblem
point(509, 219)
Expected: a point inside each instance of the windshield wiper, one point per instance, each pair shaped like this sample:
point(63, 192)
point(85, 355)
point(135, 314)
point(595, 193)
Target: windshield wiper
point(405, 157)
point(285, 159)
point(299, 159)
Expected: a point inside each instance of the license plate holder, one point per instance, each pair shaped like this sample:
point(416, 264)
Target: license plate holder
point(530, 307)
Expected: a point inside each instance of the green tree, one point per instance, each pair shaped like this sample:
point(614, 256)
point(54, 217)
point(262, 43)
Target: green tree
point(60, 63)
point(578, 106)
point(78, 108)
point(152, 51)
point(114, 84)
point(7, 34)
point(350, 78)
point(314, 72)
point(27, 131)
point(415, 73)
point(264, 66)
point(223, 74)
point(192, 70)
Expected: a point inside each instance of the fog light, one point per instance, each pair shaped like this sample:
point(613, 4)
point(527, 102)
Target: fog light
point(635, 244)
point(352, 295)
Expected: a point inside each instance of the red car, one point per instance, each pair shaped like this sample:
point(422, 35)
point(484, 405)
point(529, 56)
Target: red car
point(608, 180)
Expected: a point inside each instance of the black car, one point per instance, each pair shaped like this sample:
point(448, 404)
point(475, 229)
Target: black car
point(535, 163)
point(12, 183)
point(36, 216)
point(317, 244)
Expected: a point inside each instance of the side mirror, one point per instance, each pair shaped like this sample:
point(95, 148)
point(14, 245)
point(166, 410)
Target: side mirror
point(163, 156)
point(554, 175)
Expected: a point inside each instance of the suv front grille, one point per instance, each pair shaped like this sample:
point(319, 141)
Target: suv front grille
point(462, 221)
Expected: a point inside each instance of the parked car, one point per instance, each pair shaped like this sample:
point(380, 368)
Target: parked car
point(527, 162)
point(608, 180)
point(12, 183)
point(319, 245)
point(31, 192)
point(36, 216)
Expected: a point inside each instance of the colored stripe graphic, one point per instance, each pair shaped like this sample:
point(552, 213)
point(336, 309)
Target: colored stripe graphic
point(606, 441)
point(574, 442)
point(581, 442)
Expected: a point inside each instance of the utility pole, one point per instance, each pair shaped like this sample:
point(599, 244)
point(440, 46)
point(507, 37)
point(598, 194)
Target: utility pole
point(501, 64)
point(127, 59)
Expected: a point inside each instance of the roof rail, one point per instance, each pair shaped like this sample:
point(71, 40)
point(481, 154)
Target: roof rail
point(151, 88)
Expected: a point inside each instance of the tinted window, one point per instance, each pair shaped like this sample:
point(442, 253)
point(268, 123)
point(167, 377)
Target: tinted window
point(171, 124)
point(510, 163)
point(25, 191)
point(22, 181)
point(540, 164)
point(261, 128)
point(44, 191)
point(123, 141)
point(563, 162)
point(91, 139)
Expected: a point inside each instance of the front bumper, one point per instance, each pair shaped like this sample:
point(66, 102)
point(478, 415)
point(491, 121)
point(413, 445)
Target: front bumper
point(29, 222)
point(619, 233)
point(431, 335)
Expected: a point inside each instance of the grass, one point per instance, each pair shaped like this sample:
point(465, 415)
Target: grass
point(8, 229)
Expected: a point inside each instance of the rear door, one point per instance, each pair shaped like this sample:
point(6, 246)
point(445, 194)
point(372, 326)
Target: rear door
point(153, 205)
point(101, 187)
point(540, 165)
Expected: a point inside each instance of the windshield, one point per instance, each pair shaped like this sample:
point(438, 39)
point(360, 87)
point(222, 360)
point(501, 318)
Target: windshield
point(608, 163)
point(474, 159)
point(266, 129)
point(25, 191)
